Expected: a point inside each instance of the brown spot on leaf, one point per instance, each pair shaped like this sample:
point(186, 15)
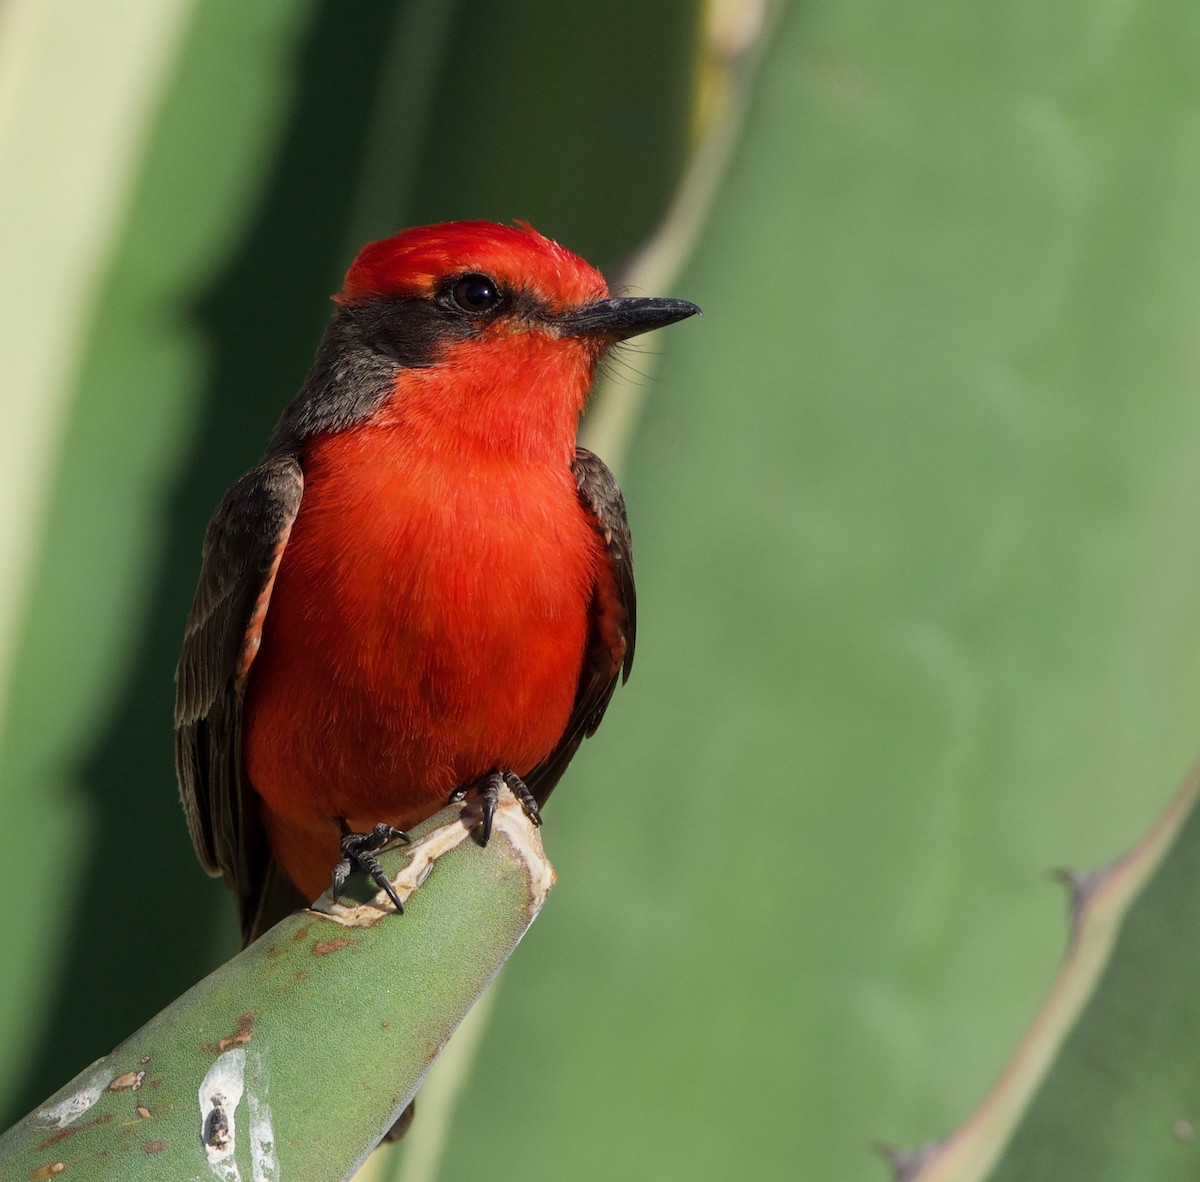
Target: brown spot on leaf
point(300, 975)
point(155, 1081)
point(155, 1146)
point(57, 1138)
point(274, 952)
point(129, 1081)
point(301, 932)
point(51, 1170)
point(143, 1112)
point(325, 947)
point(239, 1038)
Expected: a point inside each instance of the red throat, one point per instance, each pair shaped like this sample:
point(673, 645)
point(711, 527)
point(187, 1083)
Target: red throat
point(514, 394)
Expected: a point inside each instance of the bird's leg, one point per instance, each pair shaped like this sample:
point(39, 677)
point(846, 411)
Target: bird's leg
point(358, 853)
point(477, 815)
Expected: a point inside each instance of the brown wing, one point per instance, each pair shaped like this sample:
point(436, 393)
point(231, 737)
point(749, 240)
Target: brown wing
point(613, 623)
point(242, 549)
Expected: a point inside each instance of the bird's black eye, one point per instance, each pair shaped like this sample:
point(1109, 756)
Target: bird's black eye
point(476, 293)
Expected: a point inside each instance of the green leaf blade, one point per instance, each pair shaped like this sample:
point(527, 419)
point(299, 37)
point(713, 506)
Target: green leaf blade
point(325, 1029)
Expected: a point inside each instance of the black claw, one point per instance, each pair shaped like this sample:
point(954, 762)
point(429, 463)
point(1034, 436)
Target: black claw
point(478, 813)
point(487, 798)
point(358, 853)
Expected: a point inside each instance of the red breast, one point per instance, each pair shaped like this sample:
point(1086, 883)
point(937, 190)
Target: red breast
point(427, 623)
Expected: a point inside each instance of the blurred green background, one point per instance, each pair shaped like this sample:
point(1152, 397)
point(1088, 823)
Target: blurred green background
point(912, 504)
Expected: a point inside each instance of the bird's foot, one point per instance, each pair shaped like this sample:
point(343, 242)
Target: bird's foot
point(485, 796)
point(358, 853)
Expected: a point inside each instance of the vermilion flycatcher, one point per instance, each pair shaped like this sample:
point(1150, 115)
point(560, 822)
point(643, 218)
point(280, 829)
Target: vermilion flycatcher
point(425, 588)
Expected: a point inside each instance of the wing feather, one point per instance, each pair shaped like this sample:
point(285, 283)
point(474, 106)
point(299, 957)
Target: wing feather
point(243, 547)
point(613, 619)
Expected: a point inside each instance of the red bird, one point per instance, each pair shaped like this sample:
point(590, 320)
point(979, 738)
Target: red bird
point(425, 588)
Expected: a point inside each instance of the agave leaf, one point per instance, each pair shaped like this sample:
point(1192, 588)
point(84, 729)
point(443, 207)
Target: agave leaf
point(292, 1060)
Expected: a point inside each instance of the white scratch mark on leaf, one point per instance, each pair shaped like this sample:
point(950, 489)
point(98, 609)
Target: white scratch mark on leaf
point(264, 1162)
point(77, 1103)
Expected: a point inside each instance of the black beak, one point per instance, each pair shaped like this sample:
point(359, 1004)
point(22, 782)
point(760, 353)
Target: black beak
point(621, 319)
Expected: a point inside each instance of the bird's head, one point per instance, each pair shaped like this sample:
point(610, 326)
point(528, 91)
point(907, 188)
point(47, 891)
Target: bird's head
point(488, 331)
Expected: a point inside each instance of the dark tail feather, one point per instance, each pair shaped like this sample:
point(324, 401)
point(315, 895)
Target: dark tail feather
point(403, 1122)
point(276, 899)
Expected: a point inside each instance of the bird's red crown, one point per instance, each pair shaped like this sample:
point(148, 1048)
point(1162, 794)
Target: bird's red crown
point(413, 263)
